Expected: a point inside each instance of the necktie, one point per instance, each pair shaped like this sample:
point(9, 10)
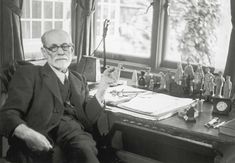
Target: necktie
point(66, 82)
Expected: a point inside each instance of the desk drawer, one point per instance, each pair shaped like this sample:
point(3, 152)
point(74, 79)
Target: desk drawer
point(160, 147)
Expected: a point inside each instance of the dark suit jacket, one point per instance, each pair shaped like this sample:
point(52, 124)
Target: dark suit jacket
point(34, 99)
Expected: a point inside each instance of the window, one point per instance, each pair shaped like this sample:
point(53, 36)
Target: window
point(198, 30)
point(164, 32)
point(40, 16)
point(129, 32)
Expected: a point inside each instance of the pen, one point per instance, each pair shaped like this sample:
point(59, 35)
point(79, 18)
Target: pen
point(220, 124)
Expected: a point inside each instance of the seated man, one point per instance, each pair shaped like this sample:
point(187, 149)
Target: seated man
point(48, 105)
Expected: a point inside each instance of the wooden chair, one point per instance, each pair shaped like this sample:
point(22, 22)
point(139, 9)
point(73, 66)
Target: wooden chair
point(5, 77)
point(105, 154)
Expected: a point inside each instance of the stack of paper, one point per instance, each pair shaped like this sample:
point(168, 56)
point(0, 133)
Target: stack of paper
point(156, 104)
point(146, 102)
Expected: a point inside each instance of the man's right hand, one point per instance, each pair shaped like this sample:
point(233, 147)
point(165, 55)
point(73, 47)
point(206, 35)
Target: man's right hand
point(34, 140)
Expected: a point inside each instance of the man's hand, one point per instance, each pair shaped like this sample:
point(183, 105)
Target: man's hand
point(109, 77)
point(34, 140)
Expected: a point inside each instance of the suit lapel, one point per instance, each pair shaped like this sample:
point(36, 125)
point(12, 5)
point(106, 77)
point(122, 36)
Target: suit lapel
point(76, 88)
point(50, 80)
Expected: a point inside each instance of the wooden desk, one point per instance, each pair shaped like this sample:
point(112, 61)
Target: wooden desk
point(172, 139)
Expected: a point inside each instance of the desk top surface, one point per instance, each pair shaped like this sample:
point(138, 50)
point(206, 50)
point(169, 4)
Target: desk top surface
point(177, 126)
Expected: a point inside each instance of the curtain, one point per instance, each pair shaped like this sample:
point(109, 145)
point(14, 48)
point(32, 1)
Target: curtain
point(11, 48)
point(230, 64)
point(82, 26)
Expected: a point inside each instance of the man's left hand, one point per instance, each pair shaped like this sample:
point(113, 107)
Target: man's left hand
point(109, 77)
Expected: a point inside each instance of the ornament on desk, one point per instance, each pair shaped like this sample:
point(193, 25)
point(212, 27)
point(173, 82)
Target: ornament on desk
point(200, 101)
point(190, 114)
point(188, 70)
point(119, 69)
point(134, 79)
point(208, 84)
point(147, 76)
point(188, 77)
point(227, 87)
point(179, 74)
point(151, 84)
point(141, 80)
point(219, 82)
point(162, 81)
point(198, 78)
point(168, 80)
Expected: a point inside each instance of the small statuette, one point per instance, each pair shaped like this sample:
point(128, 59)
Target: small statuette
point(141, 80)
point(151, 84)
point(188, 77)
point(219, 82)
point(179, 74)
point(162, 81)
point(227, 87)
point(208, 84)
point(168, 80)
point(147, 76)
point(134, 79)
point(198, 78)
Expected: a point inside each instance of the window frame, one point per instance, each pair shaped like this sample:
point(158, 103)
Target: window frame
point(156, 36)
point(34, 42)
point(159, 37)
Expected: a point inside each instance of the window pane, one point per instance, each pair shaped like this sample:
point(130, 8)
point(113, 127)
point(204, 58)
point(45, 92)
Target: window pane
point(129, 32)
point(25, 29)
point(48, 9)
point(134, 2)
point(36, 10)
point(36, 27)
point(203, 37)
point(58, 10)
point(26, 9)
point(43, 18)
point(58, 25)
point(47, 25)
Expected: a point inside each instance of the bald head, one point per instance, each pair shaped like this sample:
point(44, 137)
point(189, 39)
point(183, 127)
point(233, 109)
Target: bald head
point(54, 36)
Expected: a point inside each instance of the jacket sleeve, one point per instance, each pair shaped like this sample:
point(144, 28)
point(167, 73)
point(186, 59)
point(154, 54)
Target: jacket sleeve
point(91, 106)
point(20, 94)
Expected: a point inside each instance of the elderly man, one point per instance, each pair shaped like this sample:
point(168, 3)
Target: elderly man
point(48, 105)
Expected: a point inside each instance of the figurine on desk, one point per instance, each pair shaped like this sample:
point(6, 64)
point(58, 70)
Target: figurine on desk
point(147, 76)
point(198, 78)
point(119, 69)
point(227, 87)
point(179, 74)
point(190, 114)
point(151, 83)
point(188, 77)
point(188, 70)
point(168, 80)
point(219, 82)
point(141, 80)
point(162, 81)
point(208, 84)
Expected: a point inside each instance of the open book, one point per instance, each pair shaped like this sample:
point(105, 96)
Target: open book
point(147, 102)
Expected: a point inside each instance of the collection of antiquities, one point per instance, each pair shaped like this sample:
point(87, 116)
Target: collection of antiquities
point(208, 84)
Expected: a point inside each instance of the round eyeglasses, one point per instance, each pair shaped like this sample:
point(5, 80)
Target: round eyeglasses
point(54, 48)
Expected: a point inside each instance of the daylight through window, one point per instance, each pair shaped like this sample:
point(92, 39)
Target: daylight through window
point(40, 16)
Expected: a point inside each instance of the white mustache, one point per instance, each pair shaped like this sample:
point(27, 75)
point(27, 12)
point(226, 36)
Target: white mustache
point(62, 58)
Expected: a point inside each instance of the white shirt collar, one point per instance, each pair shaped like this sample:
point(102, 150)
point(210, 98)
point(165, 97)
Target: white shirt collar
point(60, 74)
